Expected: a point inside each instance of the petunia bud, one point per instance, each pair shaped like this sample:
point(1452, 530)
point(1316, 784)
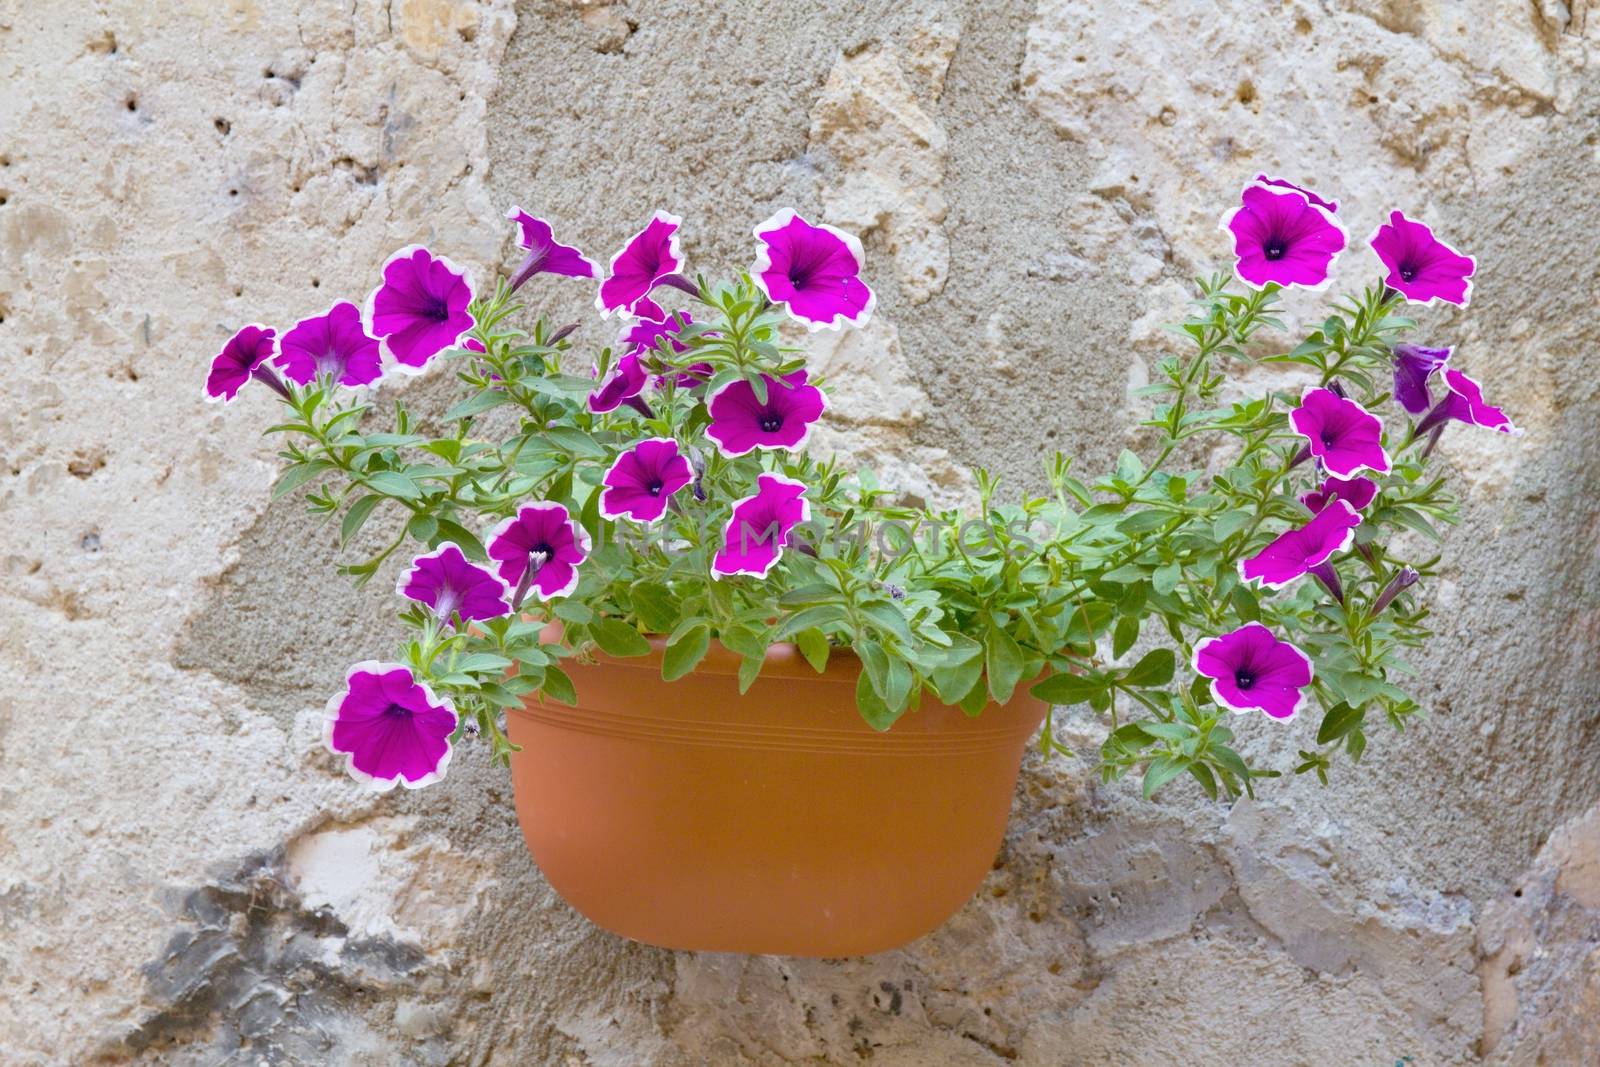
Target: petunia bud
point(1329, 577)
point(266, 376)
point(1403, 579)
point(679, 282)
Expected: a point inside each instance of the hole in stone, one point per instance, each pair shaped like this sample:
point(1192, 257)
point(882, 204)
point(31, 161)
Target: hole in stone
point(233, 192)
point(1246, 93)
point(223, 126)
point(316, 283)
point(133, 102)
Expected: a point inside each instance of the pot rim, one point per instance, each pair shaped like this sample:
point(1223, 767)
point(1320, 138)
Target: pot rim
point(783, 660)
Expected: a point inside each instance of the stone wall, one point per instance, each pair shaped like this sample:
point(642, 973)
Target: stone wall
point(185, 878)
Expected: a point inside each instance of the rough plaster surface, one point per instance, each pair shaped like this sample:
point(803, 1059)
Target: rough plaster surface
point(185, 879)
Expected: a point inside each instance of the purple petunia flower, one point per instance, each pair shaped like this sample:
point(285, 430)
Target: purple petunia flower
point(1281, 236)
point(1422, 267)
point(1330, 206)
point(545, 254)
point(648, 257)
point(754, 538)
point(1345, 436)
point(1413, 366)
point(1464, 403)
point(624, 381)
point(1304, 549)
point(390, 727)
point(645, 335)
point(1251, 670)
point(420, 309)
point(814, 271)
point(333, 343)
point(450, 583)
point(643, 479)
point(241, 359)
point(1358, 492)
point(540, 549)
point(741, 422)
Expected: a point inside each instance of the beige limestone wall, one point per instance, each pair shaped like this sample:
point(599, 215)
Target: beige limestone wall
point(186, 879)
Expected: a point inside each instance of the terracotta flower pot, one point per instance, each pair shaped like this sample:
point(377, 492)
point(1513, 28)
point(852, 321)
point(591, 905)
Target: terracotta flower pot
point(685, 815)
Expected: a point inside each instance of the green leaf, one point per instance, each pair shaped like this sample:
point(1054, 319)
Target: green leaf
point(1246, 603)
point(357, 516)
point(975, 701)
point(1339, 721)
point(573, 611)
point(1229, 523)
point(477, 405)
point(814, 647)
point(1004, 662)
point(1141, 522)
point(685, 651)
point(299, 475)
point(875, 664)
point(1166, 578)
point(617, 638)
point(1128, 467)
point(809, 618)
point(1357, 688)
point(889, 619)
point(573, 440)
point(872, 706)
point(482, 661)
point(422, 527)
point(953, 681)
point(745, 641)
point(463, 537)
point(749, 668)
point(559, 686)
point(1126, 633)
point(1066, 688)
point(1162, 770)
point(655, 606)
point(1155, 669)
point(393, 483)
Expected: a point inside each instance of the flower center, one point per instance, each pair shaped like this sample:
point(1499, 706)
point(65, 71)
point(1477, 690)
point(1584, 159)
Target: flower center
point(436, 309)
point(1244, 678)
point(395, 711)
point(1407, 272)
point(539, 555)
point(1327, 439)
point(1274, 248)
point(654, 487)
point(771, 422)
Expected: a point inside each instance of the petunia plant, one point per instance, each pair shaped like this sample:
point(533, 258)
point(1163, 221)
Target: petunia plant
point(666, 500)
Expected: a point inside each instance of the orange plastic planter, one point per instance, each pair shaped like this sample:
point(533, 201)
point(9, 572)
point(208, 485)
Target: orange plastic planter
point(685, 815)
